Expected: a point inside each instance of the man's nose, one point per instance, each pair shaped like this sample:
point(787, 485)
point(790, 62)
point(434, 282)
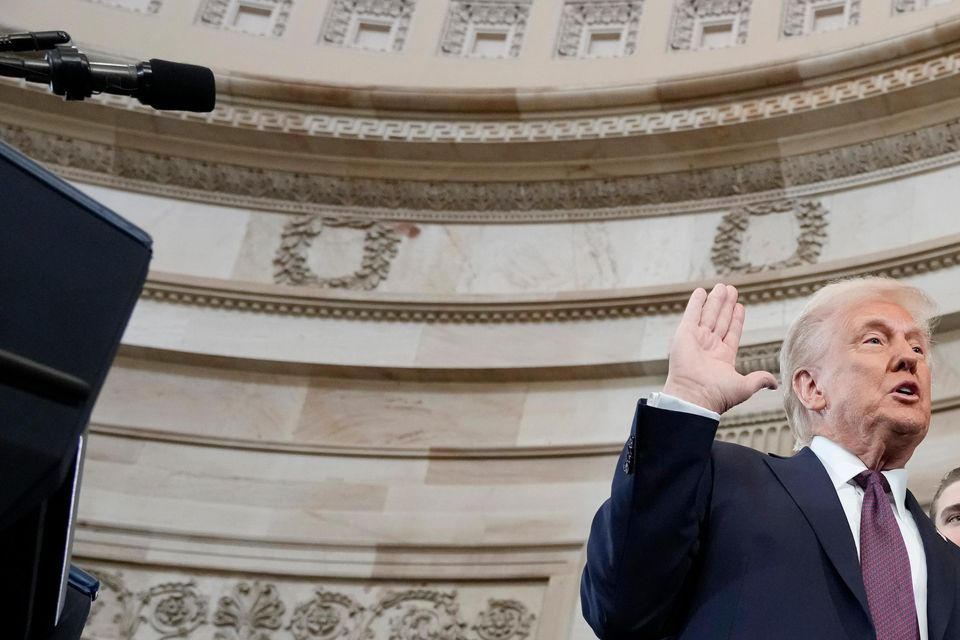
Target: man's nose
point(906, 358)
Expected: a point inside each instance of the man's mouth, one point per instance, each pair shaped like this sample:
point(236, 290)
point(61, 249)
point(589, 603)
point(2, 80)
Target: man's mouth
point(907, 391)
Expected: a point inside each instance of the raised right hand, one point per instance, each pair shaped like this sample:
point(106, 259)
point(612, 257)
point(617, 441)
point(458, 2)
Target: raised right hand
point(704, 351)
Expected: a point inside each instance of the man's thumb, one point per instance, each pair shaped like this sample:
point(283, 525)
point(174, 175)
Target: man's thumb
point(757, 380)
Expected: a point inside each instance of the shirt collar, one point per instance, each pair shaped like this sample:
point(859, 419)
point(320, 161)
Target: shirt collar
point(842, 466)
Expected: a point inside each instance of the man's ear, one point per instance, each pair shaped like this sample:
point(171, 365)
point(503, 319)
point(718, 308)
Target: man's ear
point(808, 391)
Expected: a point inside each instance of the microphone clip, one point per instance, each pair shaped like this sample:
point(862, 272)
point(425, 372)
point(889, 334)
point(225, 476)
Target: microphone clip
point(70, 75)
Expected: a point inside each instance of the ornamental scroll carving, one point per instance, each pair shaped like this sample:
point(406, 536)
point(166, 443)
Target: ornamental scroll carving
point(509, 18)
point(215, 13)
point(727, 252)
point(797, 20)
point(258, 611)
point(291, 261)
point(579, 18)
point(689, 14)
point(162, 611)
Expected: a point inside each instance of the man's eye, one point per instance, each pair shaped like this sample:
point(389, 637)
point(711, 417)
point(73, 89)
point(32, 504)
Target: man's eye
point(952, 519)
point(918, 350)
point(873, 340)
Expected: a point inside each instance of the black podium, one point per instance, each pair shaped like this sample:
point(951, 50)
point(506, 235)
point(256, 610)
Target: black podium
point(71, 271)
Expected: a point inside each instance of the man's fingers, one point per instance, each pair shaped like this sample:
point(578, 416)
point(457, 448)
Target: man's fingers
point(712, 307)
point(735, 330)
point(726, 311)
point(691, 315)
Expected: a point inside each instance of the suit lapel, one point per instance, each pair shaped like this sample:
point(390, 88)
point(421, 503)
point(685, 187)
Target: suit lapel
point(808, 483)
point(941, 576)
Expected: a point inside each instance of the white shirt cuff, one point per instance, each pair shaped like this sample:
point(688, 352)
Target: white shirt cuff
point(667, 402)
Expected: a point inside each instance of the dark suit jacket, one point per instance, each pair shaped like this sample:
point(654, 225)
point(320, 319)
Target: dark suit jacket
point(710, 540)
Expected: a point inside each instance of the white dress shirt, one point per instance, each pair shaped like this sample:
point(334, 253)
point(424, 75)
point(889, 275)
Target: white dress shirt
point(842, 467)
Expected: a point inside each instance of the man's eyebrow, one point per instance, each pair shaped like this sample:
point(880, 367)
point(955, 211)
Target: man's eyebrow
point(884, 324)
point(948, 510)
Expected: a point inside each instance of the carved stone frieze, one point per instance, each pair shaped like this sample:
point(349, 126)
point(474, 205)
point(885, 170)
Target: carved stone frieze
point(170, 609)
point(137, 6)
point(580, 19)
point(327, 615)
point(504, 619)
point(727, 252)
point(219, 13)
point(345, 16)
point(276, 610)
point(798, 17)
point(291, 264)
point(690, 17)
point(249, 612)
point(466, 18)
point(385, 199)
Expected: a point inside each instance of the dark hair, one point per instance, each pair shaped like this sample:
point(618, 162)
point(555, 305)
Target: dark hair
point(949, 479)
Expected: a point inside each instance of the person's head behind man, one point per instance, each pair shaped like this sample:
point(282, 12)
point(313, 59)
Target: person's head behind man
point(945, 508)
point(855, 367)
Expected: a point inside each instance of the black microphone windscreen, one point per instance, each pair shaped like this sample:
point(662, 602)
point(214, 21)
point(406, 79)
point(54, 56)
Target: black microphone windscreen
point(179, 87)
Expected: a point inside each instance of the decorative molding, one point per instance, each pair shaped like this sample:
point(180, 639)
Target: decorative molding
point(291, 266)
point(580, 19)
point(511, 201)
point(727, 250)
point(258, 610)
point(790, 283)
point(339, 125)
point(219, 14)
point(466, 17)
point(137, 6)
point(345, 16)
point(797, 15)
point(691, 16)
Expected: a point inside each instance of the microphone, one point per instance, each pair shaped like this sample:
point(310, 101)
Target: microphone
point(158, 83)
point(33, 40)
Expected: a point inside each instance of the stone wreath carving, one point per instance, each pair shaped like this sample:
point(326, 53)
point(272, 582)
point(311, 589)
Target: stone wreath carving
point(379, 249)
point(728, 242)
point(256, 611)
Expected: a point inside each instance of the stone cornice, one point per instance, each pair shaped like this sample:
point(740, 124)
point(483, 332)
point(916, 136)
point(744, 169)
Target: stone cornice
point(767, 286)
point(643, 113)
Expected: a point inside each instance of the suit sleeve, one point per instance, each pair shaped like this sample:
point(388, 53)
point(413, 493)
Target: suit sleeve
point(644, 539)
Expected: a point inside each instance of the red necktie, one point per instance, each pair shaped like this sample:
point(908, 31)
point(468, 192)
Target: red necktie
point(885, 564)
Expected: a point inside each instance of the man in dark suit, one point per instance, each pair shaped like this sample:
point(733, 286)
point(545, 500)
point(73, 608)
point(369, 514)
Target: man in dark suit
point(945, 508)
point(709, 540)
